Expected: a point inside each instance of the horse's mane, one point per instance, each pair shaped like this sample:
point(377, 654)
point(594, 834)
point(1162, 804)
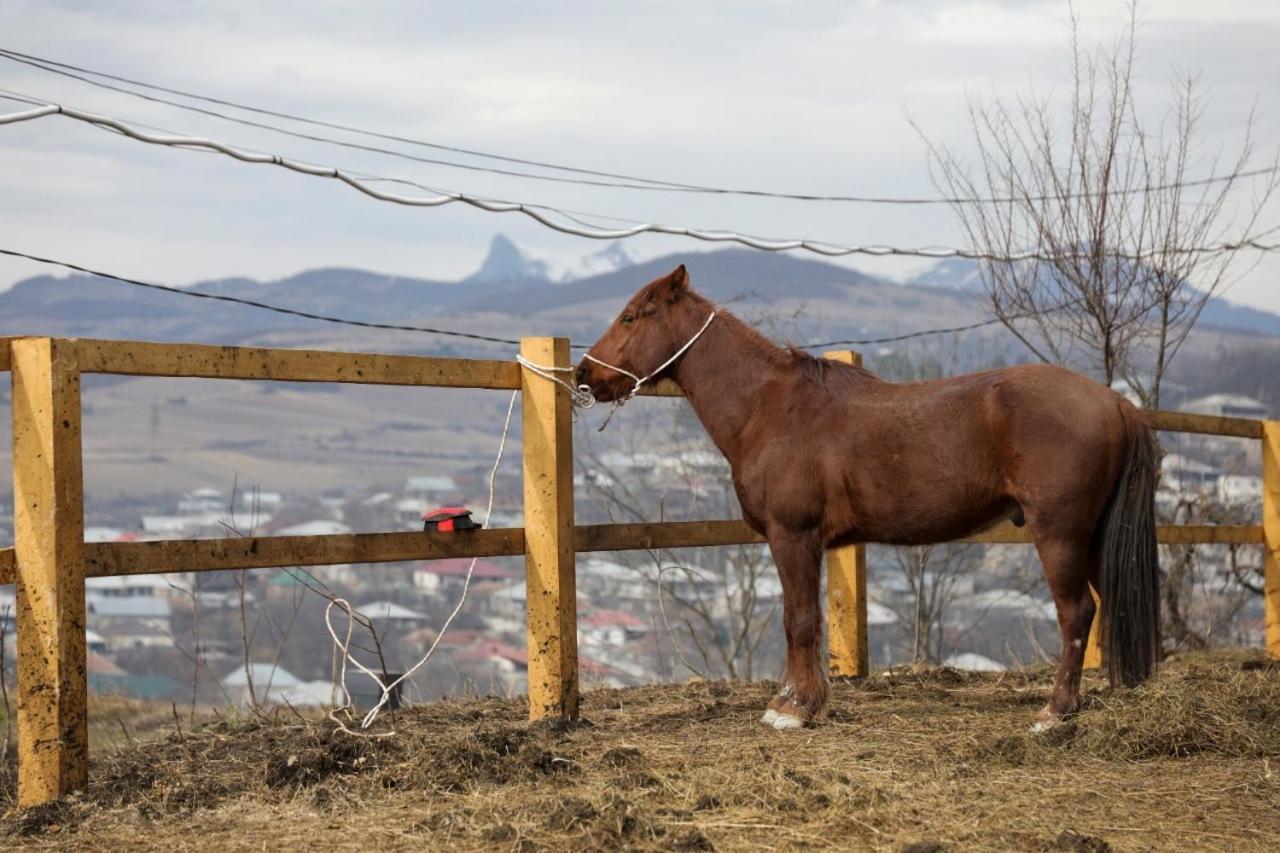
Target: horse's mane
point(824, 371)
point(821, 371)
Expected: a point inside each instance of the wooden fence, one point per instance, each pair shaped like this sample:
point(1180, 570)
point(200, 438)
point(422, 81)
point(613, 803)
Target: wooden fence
point(50, 560)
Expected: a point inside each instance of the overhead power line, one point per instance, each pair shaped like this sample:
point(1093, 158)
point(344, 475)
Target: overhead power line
point(594, 177)
point(540, 213)
point(453, 333)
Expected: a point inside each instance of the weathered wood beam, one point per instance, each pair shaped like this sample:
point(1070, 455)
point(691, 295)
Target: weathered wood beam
point(551, 599)
point(131, 358)
point(48, 530)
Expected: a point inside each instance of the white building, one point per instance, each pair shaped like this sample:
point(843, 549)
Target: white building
point(1228, 406)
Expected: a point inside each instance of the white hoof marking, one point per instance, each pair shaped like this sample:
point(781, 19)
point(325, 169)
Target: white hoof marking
point(1039, 727)
point(784, 722)
point(770, 717)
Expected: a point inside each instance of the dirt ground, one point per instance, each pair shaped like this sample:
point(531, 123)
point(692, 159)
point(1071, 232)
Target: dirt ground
point(907, 760)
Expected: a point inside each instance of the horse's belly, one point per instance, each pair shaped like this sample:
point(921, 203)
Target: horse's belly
point(928, 522)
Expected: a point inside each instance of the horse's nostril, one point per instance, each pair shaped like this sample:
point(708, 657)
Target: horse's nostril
point(581, 375)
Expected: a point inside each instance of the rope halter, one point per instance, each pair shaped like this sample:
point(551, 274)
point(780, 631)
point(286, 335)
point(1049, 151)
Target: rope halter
point(640, 380)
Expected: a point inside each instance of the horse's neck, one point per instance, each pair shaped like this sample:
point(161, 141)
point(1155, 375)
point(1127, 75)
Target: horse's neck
point(721, 376)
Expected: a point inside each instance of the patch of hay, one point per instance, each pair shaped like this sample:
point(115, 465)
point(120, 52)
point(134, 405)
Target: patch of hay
point(927, 759)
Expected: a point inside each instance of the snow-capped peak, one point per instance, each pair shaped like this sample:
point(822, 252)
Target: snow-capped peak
point(507, 262)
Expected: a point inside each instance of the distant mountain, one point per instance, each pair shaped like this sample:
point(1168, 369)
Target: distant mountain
point(951, 273)
point(963, 275)
point(507, 263)
point(790, 295)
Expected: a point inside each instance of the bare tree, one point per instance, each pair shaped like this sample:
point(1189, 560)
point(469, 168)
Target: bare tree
point(1206, 587)
point(1110, 206)
point(931, 576)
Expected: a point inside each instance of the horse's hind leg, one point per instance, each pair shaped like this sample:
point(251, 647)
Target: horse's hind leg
point(804, 691)
point(1070, 565)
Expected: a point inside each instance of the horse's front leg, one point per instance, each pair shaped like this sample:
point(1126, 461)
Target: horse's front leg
point(804, 689)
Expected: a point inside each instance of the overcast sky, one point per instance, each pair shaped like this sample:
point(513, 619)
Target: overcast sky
point(807, 97)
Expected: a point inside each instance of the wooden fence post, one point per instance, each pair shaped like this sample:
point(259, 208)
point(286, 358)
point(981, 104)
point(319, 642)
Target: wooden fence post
point(1093, 648)
point(848, 654)
point(1271, 533)
point(550, 584)
point(48, 503)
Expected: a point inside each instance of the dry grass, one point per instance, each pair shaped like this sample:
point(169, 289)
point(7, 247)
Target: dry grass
point(921, 760)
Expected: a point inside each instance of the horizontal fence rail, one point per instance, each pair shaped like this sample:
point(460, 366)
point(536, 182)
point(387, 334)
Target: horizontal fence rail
point(165, 556)
point(50, 561)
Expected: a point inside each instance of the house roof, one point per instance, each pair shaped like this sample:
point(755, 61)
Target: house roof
point(315, 527)
point(142, 686)
point(609, 618)
point(132, 629)
point(96, 664)
point(390, 610)
point(163, 583)
point(129, 607)
point(430, 483)
point(457, 567)
point(486, 649)
point(263, 674)
point(102, 534)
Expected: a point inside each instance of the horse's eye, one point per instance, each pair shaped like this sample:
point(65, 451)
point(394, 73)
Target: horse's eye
point(628, 318)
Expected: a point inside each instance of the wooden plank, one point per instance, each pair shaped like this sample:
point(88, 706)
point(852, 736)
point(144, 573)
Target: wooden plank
point(1203, 424)
point(48, 503)
point(550, 583)
point(646, 536)
point(1271, 534)
point(1005, 533)
point(259, 552)
point(1210, 534)
point(207, 555)
point(848, 653)
point(133, 358)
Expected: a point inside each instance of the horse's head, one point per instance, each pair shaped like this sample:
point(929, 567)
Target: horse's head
point(656, 323)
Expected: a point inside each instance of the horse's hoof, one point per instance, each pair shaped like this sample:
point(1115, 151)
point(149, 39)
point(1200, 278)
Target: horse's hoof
point(786, 722)
point(770, 716)
point(1039, 727)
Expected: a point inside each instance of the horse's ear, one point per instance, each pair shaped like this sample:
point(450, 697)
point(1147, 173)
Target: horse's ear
point(677, 283)
point(679, 278)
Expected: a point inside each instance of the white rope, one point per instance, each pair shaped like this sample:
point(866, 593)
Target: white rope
point(581, 394)
point(535, 211)
point(640, 380)
point(344, 645)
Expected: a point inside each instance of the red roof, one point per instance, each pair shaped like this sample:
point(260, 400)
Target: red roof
point(606, 618)
point(452, 637)
point(492, 649)
point(98, 665)
point(457, 568)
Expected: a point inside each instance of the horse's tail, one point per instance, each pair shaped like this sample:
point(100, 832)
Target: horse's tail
point(1130, 560)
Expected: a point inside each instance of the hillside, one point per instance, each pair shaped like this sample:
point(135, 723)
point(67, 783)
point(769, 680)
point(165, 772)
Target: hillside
point(310, 437)
point(937, 759)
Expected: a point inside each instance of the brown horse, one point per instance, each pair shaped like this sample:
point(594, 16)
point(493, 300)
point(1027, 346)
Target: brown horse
point(826, 454)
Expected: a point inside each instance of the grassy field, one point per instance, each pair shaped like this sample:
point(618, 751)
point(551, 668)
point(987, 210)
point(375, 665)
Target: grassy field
point(922, 760)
